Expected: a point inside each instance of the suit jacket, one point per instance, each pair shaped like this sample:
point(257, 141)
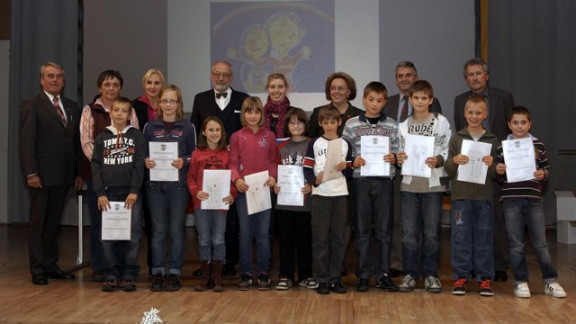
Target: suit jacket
point(391, 107)
point(47, 147)
point(499, 104)
point(205, 105)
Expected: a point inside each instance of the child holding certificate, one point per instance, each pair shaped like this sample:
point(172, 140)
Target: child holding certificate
point(472, 218)
point(171, 139)
point(118, 171)
point(327, 164)
point(522, 206)
point(253, 150)
point(373, 190)
point(210, 154)
point(422, 197)
point(293, 221)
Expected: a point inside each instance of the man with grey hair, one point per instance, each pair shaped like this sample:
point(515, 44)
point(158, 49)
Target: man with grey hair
point(399, 108)
point(49, 147)
point(499, 103)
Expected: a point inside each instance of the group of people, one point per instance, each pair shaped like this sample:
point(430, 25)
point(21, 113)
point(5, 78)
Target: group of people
point(345, 188)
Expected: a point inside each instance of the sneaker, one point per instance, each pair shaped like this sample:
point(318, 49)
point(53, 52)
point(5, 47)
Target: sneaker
point(459, 287)
point(521, 290)
point(408, 284)
point(363, 285)
point(110, 285)
point(486, 288)
point(323, 288)
point(386, 283)
point(284, 284)
point(309, 283)
point(432, 284)
point(128, 285)
point(338, 287)
point(245, 281)
point(555, 290)
point(158, 282)
point(263, 281)
point(173, 282)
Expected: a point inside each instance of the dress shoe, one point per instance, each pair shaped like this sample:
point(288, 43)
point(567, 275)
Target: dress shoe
point(60, 274)
point(500, 276)
point(39, 280)
point(394, 273)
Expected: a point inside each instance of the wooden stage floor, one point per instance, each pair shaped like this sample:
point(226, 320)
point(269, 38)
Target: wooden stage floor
point(82, 301)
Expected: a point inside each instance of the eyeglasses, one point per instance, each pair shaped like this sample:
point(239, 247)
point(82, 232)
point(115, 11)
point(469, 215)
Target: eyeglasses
point(169, 101)
point(223, 75)
point(296, 124)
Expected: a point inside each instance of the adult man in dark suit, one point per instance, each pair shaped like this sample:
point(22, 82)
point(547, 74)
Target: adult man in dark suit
point(49, 155)
point(399, 108)
point(226, 104)
point(499, 104)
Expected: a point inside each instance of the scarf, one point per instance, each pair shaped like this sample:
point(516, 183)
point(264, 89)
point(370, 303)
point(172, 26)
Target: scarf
point(276, 108)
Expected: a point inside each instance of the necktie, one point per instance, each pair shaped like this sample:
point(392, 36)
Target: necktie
point(59, 111)
point(404, 112)
point(221, 94)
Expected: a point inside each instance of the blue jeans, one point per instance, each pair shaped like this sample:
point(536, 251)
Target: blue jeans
point(255, 226)
point(374, 211)
point(472, 226)
point(95, 227)
point(120, 259)
point(521, 213)
point(167, 202)
point(421, 214)
point(211, 226)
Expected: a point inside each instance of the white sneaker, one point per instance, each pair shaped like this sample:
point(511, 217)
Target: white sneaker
point(408, 284)
point(521, 290)
point(432, 284)
point(555, 290)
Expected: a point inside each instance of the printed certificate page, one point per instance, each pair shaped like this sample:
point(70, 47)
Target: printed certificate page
point(258, 195)
point(116, 222)
point(373, 149)
point(163, 153)
point(333, 158)
point(475, 170)
point(217, 184)
point(418, 148)
point(520, 159)
point(290, 181)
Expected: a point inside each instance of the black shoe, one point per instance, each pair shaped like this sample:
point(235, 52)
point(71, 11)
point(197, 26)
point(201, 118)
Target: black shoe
point(110, 285)
point(362, 285)
point(173, 283)
point(386, 283)
point(97, 276)
point(323, 288)
point(394, 273)
point(59, 274)
point(500, 276)
point(128, 285)
point(39, 280)
point(338, 287)
point(197, 273)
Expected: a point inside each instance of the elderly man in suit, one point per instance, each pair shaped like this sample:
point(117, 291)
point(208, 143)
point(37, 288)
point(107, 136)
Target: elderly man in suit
point(49, 155)
point(225, 103)
point(499, 102)
point(398, 107)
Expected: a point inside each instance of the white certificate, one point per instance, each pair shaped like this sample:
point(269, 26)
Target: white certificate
point(163, 153)
point(520, 159)
point(217, 184)
point(418, 148)
point(290, 181)
point(333, 158)
point(258, 194)
point(475, 170)
point(372, 150)
point(116, 222)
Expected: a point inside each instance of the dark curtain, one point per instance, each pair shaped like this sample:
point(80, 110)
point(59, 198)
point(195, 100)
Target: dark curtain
point(532, 53)
point(41, 31)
